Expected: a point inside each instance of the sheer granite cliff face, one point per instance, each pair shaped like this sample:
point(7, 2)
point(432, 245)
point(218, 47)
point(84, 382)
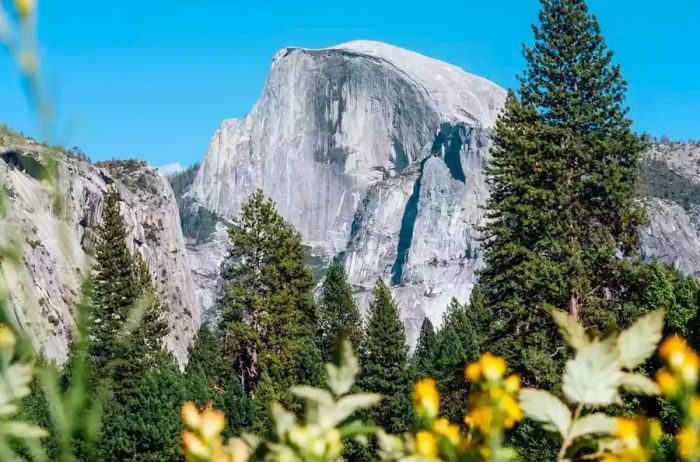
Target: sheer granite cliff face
point(372, 152)
point(59, 239)
point(670, 193)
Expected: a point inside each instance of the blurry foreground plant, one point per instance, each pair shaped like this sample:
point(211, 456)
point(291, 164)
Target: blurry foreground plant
point(329, 418)
point(678, 382)
point(593, 379)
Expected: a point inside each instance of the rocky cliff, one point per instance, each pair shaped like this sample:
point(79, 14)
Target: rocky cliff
point(670, 192)
point(376, 155)
point(59, 238)
point(372, 152)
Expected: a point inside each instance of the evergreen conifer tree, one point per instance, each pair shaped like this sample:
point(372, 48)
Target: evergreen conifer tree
point(268, 314)
point(153, 325)
point(147, 425)
point(384, 363)
point(562, 178)
point(456, 347)
point(426, 350)
point(338, 311)
point(210, 378)
point(116, 287)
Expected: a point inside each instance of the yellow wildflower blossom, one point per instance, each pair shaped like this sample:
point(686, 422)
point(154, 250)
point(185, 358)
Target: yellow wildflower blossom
point(667, 383)
point(674, 350)
point(627, 430)
point(512, 383)
point(425, 445)
point(492, 367)
point(444, 428)
point(689, 369)
point(472, 372)
point(687, 443)
point(481, 418)
point(426, 397)
point(513, 413)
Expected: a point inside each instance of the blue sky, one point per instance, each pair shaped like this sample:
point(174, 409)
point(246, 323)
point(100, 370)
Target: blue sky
point(153, 79)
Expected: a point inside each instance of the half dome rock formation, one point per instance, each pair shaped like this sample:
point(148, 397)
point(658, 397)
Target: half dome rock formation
point(373, 153)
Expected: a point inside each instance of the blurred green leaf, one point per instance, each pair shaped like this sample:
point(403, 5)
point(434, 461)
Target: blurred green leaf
point(546, 409)
point(571, 330)
point(639, 384)
point(592, 424)
point(593, 376)
point(639, 342)
point(341, 377)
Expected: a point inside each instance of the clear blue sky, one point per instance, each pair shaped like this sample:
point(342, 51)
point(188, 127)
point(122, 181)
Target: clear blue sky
point(153, 79)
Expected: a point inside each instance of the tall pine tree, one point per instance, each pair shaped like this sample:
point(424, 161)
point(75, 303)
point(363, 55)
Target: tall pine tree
point(561, 211)
point(153, 325)
point(384, 363)
point(457, 345)
point(269, 317)
point(426, 350)
point(116, 286)
point(338, 312)
point(124, 291)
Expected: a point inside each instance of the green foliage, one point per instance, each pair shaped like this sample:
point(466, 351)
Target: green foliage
point(562, 181)
point(339, 315)
point(385, 366)
point(658, 180)
point(196, 222)
point(268, 310)
point(116, 286)
point(593, 379)
point(146, 427)
point(151, 325)
point(210, 379)
point(457, 345)
point(425, 355)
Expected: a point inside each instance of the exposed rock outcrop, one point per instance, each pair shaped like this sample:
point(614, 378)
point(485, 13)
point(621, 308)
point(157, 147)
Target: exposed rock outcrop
point(670, 192)
point(59, 238)
point(372, 151)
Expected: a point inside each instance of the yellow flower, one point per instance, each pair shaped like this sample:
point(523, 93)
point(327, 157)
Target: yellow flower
point(481, 418)
point(674, 350)
point(426, 397)
point(492, 367)
point(627, 430)
point(513, 412)
point(667, 383)
point(212, 423)
point(193, 447)
point(689, 369)
point(512, 383)
point(444, 428)
point(425, 445)
point(190, 415)
point(687, 443)
point(472, 372)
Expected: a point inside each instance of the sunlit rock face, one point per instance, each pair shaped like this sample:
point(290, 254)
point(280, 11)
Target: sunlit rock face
point(58, 238)
point(670, 193)
point(374, 153)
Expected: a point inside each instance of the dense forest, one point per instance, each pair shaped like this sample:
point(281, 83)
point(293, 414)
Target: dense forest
point(562, 256)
